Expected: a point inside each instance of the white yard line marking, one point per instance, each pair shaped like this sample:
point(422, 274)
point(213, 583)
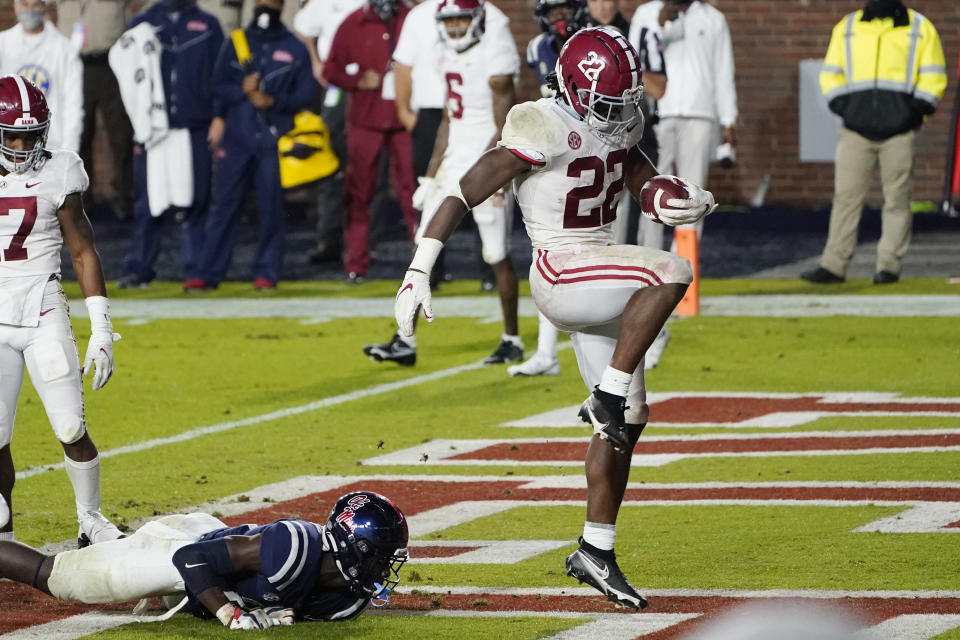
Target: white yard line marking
point(556, 592)
point(911, 627)
point(198, 432)
point(489, 306)
point(487, 551)
point(609, 626)
point(72, 627)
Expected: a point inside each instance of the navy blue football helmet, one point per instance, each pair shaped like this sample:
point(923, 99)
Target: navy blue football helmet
point(368, 536)
point(561, 29)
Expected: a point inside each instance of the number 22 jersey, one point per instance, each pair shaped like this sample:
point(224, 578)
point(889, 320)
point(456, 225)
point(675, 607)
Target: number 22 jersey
point(570, 194)
point(30, 238)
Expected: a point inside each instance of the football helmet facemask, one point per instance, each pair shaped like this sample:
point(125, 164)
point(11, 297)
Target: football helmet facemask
point(599, 76)
point(24, 115)
point(464, 38)
point(368, 536)
point(561, 29)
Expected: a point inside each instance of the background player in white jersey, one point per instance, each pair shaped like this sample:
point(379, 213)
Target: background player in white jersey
point(41, 207)
point(479, 73)
point(570, 158)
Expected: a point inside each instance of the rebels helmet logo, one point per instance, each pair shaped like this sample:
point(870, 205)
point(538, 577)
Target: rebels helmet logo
point(346, 517)
point(591, 66)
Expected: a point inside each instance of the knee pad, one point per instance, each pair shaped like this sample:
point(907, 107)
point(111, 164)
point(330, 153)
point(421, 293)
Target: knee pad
point(677, 270)
point(493, 255)
point(68, 426)
point(637, 415)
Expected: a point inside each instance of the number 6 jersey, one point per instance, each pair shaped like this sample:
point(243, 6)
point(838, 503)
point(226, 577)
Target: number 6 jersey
point(30, 238)
point(570, 195)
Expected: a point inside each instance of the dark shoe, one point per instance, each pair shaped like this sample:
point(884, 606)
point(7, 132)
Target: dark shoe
point(396, 350)
point(822, 276)
point(324, 253)
point(605, 412)
point(131, 281)
point(355, 278)
point(599, 570)
point(885, 277)
point(505, 352)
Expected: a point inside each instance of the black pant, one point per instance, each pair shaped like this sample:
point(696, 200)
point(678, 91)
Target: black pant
point(424, 136)
point(100, 90)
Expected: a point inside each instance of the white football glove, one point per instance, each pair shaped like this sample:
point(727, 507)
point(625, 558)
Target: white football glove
point(248, 620)
point(423, 190)
point(699, 205)
point(100, 356)
point(280, 616)
point(414, 293)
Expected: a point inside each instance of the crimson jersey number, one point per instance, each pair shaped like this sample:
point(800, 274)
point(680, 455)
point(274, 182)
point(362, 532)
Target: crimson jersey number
point(606, 212)
point(26, 207)
point(454, 99)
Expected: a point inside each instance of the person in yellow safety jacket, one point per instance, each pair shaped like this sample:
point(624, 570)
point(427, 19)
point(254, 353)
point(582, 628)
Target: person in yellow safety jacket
point(883, 74)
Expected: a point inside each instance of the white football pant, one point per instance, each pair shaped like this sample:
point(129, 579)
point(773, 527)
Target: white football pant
point(131, 568)
point(585, 293)
point(49, 352)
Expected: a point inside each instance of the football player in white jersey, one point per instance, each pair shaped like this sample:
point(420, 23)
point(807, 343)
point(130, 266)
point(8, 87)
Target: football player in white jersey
point(41, 207)
point(479, 72)
point(570, 158)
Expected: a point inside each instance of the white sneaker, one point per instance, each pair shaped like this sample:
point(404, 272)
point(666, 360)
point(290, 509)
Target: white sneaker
point(538, 365)
point(95, 528)
point(655, 352)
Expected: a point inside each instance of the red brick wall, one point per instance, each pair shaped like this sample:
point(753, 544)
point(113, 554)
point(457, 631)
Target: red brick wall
point(770, 37)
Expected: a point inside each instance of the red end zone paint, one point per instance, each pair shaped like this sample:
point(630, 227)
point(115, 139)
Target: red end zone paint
point(740, 409)
point(520, 452)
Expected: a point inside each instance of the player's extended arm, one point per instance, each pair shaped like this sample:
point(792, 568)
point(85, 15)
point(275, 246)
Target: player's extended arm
point(700, 203)
point(489, 173)
point(78, 235)
point(403, 84)
point(504, 97)
point(637, 170)
point(205, 567)
point(654, 84)
point(426, 182)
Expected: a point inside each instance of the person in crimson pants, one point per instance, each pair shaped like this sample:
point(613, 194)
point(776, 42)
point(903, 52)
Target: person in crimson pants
point(360, 64)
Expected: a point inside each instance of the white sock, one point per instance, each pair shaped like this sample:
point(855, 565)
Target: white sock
point(513, 339)
point(616, 382)
point(600, 535)
point(547, 339)
point(85, 478)
point(7, 536)
point(410, 342)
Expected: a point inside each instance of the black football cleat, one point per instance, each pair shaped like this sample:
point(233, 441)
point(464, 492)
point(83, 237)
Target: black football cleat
point(605, 412)
point(505, 352)
point(599, 570)
point(396, 350)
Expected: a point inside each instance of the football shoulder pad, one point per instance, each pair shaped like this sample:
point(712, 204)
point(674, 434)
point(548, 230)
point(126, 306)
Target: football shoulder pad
point(534, 130)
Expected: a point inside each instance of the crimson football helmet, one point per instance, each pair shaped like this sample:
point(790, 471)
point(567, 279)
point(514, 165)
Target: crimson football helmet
point(600, 79)
point(466, 38)
point(368, 536)
point(23, 111)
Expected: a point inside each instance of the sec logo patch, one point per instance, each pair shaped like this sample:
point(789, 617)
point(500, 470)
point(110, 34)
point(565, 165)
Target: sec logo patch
point(573, 140)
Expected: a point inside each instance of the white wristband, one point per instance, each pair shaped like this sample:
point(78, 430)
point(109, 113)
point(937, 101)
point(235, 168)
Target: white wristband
point(427, 251)
point(98, 308)
point(225, 613)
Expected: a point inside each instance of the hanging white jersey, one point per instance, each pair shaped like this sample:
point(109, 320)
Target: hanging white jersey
point(30, 238)
point(470, 98)
point(570, 195)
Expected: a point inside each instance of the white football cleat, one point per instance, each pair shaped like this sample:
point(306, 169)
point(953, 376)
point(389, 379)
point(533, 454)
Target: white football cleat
point(538, 365)
point(655, 352)
point(95, 528)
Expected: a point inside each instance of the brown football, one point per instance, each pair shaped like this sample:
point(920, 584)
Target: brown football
point(657, 191)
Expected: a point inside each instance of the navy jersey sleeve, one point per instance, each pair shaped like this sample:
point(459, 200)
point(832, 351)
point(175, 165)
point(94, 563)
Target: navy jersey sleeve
point(331, 606)
point(290, 553)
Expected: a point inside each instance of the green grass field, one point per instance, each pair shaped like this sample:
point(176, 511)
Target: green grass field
point(173, 376)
